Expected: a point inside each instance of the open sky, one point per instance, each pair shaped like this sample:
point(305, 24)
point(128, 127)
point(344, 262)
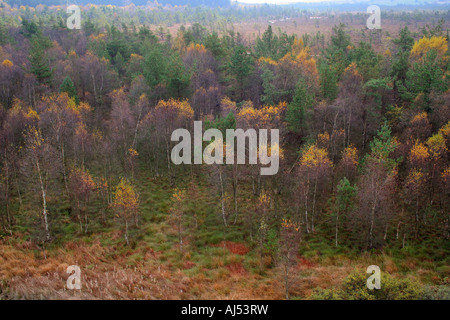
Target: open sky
point(285, 1)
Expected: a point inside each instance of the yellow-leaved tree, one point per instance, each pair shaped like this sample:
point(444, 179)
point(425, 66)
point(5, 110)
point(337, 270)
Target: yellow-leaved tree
point(126, 204)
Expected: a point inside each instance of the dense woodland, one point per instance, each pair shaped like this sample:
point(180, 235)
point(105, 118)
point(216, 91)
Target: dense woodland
point(86, 118)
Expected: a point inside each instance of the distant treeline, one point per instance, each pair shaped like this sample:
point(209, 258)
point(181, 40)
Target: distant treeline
point(193, 3)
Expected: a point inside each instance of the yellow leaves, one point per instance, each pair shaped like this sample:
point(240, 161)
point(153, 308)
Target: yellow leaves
point(7, 63)
point(323, 139)
point(424, 45)
point(271, 151)
point(437, 145)
point(97, 135)
point(388, 53)
point(445, 130)
point(446, 174)
point(301, 62)
point(264, 199)
point(265, 117)
point(125, 198)
point(34, 138)
point(315, 157)
point(268, 61)
point(32, 114)
point(199, 48)
point(416, 179)
point(227, 106)
point(419, 153)
point(352, 70)
point(72, 54)
point(297, 46)
point(182, 108)
point(100, 36)
point(80, 130)
point(132, 153)
point(350, 156)
point(178, 196)
point(421, 117)
point(136, 56)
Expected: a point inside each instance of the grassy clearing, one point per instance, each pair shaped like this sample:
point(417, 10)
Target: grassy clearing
point(213, 264)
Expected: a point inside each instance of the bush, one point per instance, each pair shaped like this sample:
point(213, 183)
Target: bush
point(354, 288)
point(440, 292)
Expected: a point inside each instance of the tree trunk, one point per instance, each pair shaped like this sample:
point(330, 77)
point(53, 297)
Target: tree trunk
point(44, 201)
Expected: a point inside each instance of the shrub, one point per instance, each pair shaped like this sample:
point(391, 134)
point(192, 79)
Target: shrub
point(439, 292)
point(354, 288)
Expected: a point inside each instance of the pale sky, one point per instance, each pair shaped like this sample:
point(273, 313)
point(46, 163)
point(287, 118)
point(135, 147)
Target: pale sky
point(285, 1)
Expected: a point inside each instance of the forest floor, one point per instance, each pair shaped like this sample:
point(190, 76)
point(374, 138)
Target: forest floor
point(211, 266)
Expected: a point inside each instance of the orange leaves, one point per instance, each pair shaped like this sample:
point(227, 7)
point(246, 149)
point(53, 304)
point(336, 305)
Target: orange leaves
point(446, 175)
point(7, 63)
point(424, 45)
point(266, 117)
point(297, 46)
point(198, 48)
point(81, 182)
point(301, 63)
point(419, 154)
point(352, 70)
point(264, 199)
point(178, 196)
point(132, 153)
point(288, 224)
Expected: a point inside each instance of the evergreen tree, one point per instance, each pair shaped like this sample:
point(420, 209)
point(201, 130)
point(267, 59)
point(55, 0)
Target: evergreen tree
point(328, 81)
point(37, 57)
point(4, 37)
point(297, 110)
point(68, 86)
point(240, 68)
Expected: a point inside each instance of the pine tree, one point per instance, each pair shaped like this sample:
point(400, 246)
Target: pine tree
point(68, 86)
point(3, 34)
point(39, 64)
point(240, 68)
point(328, 81)
point(297, 110)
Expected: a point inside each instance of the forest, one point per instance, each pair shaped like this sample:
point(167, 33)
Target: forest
point(86, 177)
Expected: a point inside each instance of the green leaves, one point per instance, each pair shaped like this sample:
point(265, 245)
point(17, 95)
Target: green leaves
point(165, 68)
point(39, 62)
point(297, 110)
point(68, 86)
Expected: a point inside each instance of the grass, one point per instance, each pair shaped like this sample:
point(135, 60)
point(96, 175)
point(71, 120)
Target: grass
point(213, 264)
